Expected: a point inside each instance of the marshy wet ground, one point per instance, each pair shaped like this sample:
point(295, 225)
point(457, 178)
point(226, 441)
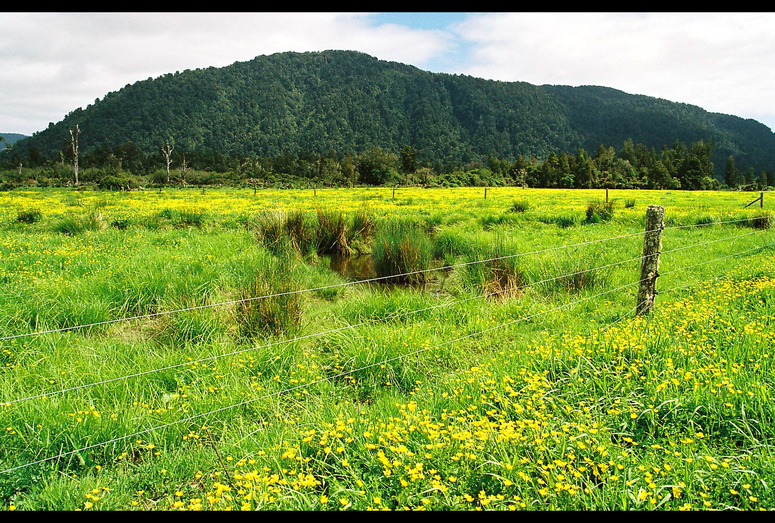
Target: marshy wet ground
point(362, 267)
point(355, 268)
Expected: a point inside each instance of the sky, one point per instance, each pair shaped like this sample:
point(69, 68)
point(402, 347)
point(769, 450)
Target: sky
point(53, 63)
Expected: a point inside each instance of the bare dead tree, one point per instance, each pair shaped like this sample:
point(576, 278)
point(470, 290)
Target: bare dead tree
point(167, 152)
point(183, 168)
point(74, 145)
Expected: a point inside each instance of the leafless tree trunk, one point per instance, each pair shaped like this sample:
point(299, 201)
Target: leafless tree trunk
point(74, 145)
point(183, 169)
point(167, 152)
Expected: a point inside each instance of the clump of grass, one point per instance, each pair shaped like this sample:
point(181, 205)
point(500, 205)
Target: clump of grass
point(574, 272)
point(565, 221)
point(301, 231)
point(495, 270)
point(448, 244)
point(191, 218)
point(271, 232)
point(402, 247)
point(761, 220)
point(629, 204)
point(705, 220)
point(121, 224)
point(600, 212)
point(270, 304)
point(364, 226)
point(520, 206)
point(182, 218)
point(29, 216)
point(334, 234)
point(73, 224)
point(327, 232)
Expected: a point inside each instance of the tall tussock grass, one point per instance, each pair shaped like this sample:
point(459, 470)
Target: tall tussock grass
point(334, 233)
point(760, 220)
point(494, 270)
point(73, 224)
point(271, 232)
point(321, 232)
point(402, 248)
point(270, 303)
point(573, 272)
point(600, 211)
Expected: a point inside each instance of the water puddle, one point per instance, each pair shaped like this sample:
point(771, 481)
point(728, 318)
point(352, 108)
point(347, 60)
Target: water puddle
point(355, 268)
point(362, 267)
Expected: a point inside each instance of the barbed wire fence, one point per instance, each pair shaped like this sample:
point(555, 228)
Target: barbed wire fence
point(644, 303)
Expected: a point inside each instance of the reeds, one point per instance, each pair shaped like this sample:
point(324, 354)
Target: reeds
point(402, 248)
point(270, 304)
point(493, 269)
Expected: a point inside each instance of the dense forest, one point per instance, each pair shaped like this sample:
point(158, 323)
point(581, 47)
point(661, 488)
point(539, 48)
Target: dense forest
point(344, 118)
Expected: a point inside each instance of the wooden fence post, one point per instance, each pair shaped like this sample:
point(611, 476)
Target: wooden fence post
point(649, 270)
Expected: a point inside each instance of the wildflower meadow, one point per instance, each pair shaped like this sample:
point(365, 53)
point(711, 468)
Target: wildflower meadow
point(384, 349)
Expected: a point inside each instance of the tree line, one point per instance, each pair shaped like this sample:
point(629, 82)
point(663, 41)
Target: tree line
point(632, 166)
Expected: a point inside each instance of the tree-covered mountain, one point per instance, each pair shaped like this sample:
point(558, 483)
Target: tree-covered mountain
point(348, 102)
point(11, 138)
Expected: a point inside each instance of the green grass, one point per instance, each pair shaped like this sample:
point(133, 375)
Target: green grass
point(551, 397)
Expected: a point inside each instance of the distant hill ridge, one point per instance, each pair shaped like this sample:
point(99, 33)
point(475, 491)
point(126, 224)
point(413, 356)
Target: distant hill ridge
point(348, 101)
point(12, 138)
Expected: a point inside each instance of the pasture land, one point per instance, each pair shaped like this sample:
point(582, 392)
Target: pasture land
point(362, 349)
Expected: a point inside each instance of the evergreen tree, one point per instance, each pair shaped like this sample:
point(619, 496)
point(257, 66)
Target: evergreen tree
point(731, 174)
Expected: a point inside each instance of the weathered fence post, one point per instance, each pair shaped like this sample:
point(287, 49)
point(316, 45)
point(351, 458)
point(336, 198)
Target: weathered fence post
point(649, 270)
point(760, 199)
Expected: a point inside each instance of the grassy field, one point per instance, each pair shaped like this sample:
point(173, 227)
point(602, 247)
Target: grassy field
point(205, 350)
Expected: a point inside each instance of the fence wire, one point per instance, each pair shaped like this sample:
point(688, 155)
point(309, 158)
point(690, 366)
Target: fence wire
point(365, 367)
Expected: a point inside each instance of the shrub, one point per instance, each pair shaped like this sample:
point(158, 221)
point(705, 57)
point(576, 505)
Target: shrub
point(117, 181)
point(402, 247)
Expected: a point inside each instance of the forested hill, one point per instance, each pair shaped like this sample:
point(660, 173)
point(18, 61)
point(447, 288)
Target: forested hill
point(11, 138)
point(347, 101)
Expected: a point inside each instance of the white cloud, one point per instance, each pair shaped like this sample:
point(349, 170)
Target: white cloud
point(53, 63)
point(719, 61)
